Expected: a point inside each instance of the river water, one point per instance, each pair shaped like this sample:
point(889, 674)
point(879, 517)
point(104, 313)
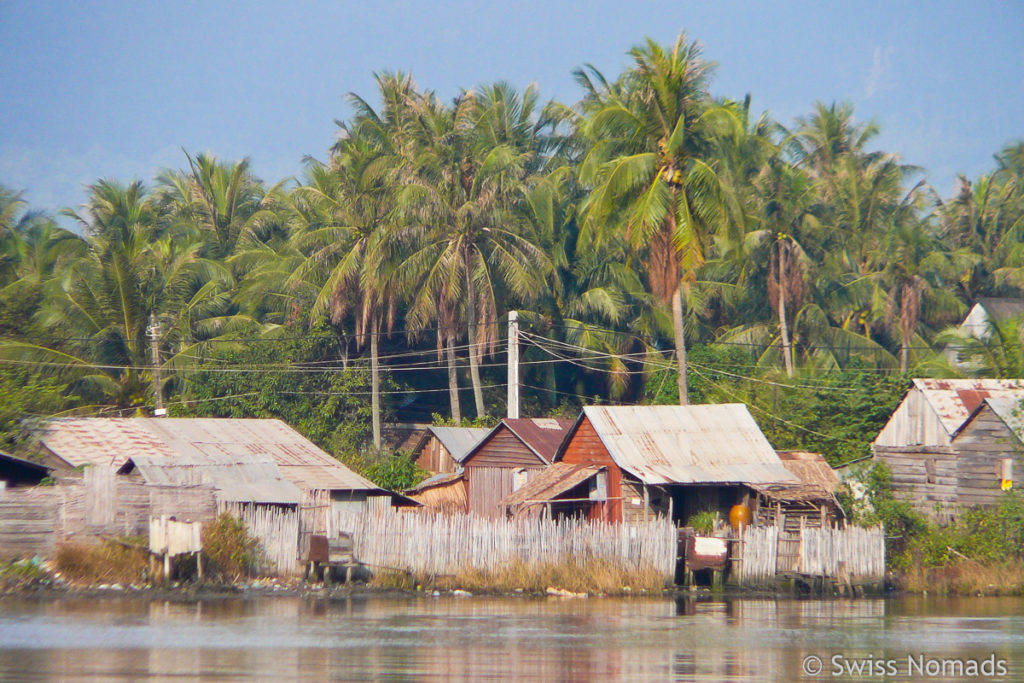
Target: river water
point(397, 638)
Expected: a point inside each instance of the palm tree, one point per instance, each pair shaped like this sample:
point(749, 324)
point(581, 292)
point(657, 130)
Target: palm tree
point(349, 238)
point(650, 134)
point(472, 160)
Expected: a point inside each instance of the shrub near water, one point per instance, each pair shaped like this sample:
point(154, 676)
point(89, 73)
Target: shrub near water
point(104, 562)
point(230, 551)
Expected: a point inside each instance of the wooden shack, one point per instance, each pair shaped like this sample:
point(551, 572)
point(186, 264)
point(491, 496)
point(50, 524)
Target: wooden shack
point(443, 493)
point(811, 501)
point(919, 443)
point(989, 450)
point(443, 449)
point(511, 454)
point(667, 460)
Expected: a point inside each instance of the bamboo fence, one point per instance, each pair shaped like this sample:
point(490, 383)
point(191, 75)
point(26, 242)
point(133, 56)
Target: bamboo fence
point(277, 529)
point(445, 544)
point(852, 553)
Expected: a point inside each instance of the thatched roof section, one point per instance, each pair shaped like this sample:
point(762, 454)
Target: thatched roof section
point(818, 481)
point(553, 481)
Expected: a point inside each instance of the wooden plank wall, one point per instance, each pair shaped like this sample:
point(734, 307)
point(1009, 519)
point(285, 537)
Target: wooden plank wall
point(503, 449)
point(28, 518)
point(924, 476)
point(984, 442)
point(586, 447)
point(486, 486)
point(435, 457)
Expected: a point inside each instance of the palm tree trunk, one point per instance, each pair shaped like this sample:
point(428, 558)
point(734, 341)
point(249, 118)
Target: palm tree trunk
point(375, 382)
point(787, 354)
point(453, 380)
point(471, 323)
point(904, 355)
point(677, 321)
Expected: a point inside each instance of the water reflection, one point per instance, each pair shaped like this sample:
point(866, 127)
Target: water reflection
point(451, 638)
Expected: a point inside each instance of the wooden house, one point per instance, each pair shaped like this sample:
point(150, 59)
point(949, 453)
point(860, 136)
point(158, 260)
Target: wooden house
point(811, 501)
point(979, 322)
point(511, 454)
point(625, 463)
point(282, 485)
point(989, 449)
point(443, 449)
point(921, 442)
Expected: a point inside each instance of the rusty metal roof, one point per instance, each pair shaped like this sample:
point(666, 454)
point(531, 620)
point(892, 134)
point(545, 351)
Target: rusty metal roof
point(541, 435)
point(459, 441)
point(694, 444)
point(237, 478)
point(1011, 412)
point(953, 400)
point(260, 444)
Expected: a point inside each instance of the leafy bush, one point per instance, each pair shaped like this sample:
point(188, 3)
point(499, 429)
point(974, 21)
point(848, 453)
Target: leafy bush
point(390, 470)
point(703, 522)
point(230, 551)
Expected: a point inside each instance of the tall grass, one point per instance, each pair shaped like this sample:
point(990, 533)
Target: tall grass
point(104, 562)
point(597, 576)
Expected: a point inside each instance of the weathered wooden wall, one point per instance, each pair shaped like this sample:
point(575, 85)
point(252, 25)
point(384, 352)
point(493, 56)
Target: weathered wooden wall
point(924, 476)
point(446, 544)
point(449, 498)
point(28, 518)
point(486, 486)
point(913, 423)
point(434, 457)
point(981, 447)
point(586, 447)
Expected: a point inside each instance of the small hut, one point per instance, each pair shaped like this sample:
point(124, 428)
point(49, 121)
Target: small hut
point(511, 454)
point(669, 460)
point(809, 502)
point(919, 443)
point(443, 449)
point(989, 449)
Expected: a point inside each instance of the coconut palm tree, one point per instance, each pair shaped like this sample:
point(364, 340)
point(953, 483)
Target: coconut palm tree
point(470, 246)
point(649, 168)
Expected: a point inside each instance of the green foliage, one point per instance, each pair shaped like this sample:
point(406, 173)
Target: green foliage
point(483, 421)
point(25, 396)
point(230, 551)
point(332, 408)
point(703, 522)
point(390, 470)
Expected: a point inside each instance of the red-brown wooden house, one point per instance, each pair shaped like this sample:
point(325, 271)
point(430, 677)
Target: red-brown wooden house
point(643, 460)
point(513, 452)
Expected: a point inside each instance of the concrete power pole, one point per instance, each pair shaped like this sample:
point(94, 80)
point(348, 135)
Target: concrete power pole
point(154, 335)
point(513, 364)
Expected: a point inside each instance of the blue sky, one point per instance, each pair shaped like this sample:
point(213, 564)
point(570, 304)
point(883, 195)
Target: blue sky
point(116, 89)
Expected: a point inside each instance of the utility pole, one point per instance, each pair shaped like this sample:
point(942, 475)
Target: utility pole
point(513, 364)
point(154, 335)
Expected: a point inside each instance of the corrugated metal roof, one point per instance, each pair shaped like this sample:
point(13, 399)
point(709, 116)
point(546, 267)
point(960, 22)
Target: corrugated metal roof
point(1002, 308)
point(541, 435)
point(439, 479)
point(459, 441)
point(271, 445)
point(695, 444)
point(245, 479)
point(953, 400)
point(1011, 412)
